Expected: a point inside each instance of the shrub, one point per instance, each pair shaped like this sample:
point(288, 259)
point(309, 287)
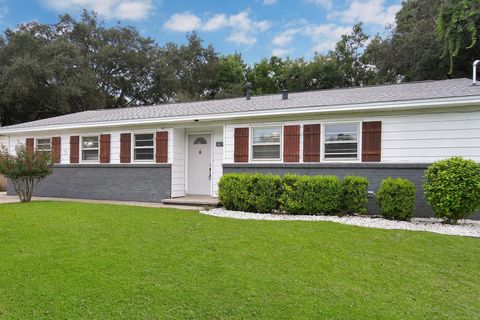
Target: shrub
point(452, 188)
point(311, 194)
point(250, 192)
point(25, 169)
point(354, 194)
point(397, 198)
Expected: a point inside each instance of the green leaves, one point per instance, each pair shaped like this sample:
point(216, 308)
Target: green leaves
point(452, 188)
point(397, 198)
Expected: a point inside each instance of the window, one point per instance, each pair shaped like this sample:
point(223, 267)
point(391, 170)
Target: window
point(266, 143)
point(200, 140)
point(44, 145)
point(90, 148)
point(144, 147)
point(341, 141)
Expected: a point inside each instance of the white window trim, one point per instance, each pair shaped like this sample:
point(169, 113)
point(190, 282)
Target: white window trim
point(45, 138)
point(340, 160)
point(250, 144)
point(132, 155)
point(82, 148)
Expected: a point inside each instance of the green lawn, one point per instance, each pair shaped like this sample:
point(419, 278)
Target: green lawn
point(70, 260)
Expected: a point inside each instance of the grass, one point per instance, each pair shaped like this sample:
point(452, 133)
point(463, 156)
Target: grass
point(64, 260)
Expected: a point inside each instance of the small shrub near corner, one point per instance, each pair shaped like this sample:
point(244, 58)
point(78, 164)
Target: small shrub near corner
point(354, 194)
point(397, 198)
point(452, 188)
point(311, 194)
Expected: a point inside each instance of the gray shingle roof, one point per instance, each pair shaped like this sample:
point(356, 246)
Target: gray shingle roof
point(323, 98)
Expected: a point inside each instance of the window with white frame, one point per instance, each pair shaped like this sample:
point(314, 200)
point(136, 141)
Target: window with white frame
point(144, 147)
point(266, 143)
point(341, 141)
point(44, 145)
point(90, 149)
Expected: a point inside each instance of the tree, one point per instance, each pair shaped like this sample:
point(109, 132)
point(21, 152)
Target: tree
point(457, 26)
point(230, 76)
point(25, 169)
point(190, 69)
point(348, 55)
point(268, 76)
point(412, 50)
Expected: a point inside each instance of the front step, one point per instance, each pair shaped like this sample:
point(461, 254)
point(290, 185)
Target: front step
point(204, 201)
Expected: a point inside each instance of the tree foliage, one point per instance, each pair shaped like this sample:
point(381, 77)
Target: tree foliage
point(25, 169)
point(457, 26)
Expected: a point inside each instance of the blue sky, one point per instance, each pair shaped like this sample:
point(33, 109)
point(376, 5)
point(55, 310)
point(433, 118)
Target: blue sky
point(255, 28)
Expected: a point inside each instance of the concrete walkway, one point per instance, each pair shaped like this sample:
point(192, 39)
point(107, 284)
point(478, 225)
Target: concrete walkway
point(4, 198)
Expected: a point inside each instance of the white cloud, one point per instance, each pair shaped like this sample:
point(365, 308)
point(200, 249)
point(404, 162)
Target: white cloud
point(3, 10)
point(367, 11)
point(269, 2)
point(327, 4)
point(280, 52)
point(109, 9)
point(323, 37)
point(183, 22)
point(243, 29)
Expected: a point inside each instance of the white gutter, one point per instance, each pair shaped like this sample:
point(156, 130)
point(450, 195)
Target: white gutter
point(401, 105)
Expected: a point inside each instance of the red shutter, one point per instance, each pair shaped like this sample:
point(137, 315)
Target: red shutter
point(125, 147)
point(56, 149)
point(30, 144)
point(311, 143)
point(291, 143)
point(74, 149)
point(161, 153)
point(240, 153)
point(371, 141)
point(105, 148)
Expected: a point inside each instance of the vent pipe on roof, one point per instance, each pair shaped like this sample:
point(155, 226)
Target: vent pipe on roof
point(284, 94)
point(248, 86)
point(475, 72)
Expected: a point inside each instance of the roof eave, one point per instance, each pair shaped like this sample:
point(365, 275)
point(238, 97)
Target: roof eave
point(398, 105)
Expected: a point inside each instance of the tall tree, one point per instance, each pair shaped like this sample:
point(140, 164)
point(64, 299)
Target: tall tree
point(230, 76)
point(348, 55)
point(457, 25)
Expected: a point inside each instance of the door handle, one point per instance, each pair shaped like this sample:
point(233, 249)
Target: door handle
point(210, 173)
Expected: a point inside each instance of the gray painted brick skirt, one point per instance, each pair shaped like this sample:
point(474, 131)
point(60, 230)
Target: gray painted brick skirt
point(375, 172)
point(122, 182)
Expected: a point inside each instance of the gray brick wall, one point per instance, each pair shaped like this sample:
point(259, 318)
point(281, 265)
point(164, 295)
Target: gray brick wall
point(375, 172)
point(128, 182)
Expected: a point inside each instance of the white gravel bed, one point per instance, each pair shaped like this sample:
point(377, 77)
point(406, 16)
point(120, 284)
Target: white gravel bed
point(466, 228)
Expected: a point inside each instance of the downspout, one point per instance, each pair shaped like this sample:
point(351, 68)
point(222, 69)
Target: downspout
point(474, 83)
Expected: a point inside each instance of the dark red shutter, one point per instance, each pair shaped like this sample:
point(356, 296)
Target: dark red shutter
point(125, 147)
point(291, 143)
point(74, 149)
point(30, 144)
point(56, 149)
point(372, 141)
point(240, 152)
point(311, 143)
point(105, 148)
point(161, 152)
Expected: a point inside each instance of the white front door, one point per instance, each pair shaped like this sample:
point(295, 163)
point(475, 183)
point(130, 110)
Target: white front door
point(199, 164)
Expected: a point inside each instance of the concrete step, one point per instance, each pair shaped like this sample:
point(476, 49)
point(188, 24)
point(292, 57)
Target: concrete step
point(193, 201)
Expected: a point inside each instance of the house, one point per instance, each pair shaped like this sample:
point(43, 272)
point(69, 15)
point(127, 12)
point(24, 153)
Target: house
point(157, 152)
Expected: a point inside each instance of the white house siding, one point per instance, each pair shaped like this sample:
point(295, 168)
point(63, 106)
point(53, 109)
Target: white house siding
point(408, 138)
point(114, 141)
point(178, 164)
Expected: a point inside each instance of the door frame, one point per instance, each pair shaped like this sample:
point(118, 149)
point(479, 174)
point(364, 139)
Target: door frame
point(187, 156)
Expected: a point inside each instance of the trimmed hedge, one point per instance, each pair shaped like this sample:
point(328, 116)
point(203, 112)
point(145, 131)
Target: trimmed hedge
point(293, 194)
point(354, 194)
point(452, 188)
point(311, 194)
point(397, 198)
point(250, 192)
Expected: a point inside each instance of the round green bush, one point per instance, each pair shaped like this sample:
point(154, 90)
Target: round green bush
point(355, 194)
point(452, 188)
point(397, 198)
